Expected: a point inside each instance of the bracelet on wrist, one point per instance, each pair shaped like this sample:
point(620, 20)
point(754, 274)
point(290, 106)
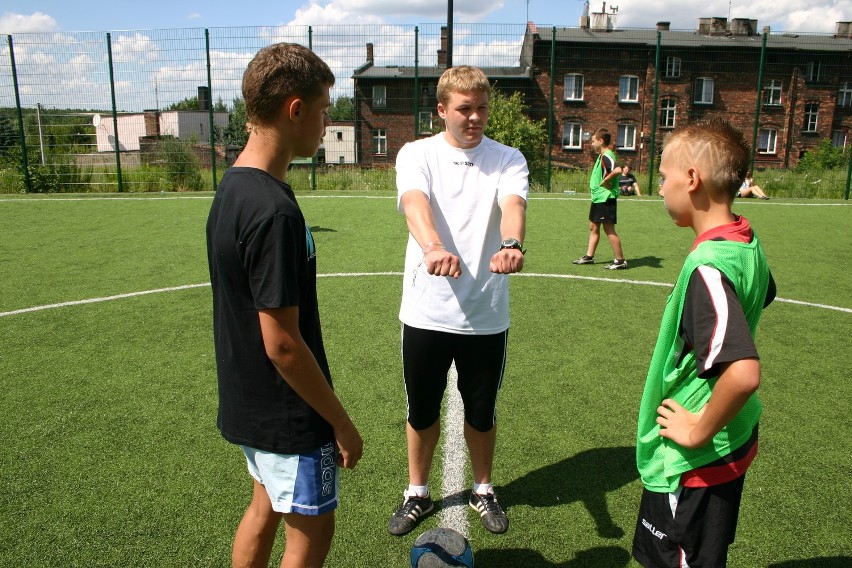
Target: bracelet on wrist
point(433, 246)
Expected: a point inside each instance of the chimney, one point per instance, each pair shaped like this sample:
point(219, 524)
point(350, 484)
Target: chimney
point(713, 26)
point(152, 122)
point(370, 53)
point(743, 27)
point(844, 30)
point(442, 53)
point(663, 26)
point(767, 29)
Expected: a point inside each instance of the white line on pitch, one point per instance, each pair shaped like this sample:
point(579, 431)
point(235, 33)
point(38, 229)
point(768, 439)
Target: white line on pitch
point(454, 509)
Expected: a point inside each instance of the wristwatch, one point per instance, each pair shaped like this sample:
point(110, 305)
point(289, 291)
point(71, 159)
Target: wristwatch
point(512, 243)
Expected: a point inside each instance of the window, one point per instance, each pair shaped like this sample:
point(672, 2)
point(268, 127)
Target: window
point(425, 121)
point(626, 139)
point(766, 140)
point(703, 91)
point(838, 138)
point(572, 133)
point(772, 93)
point(844, 95)
point(667, 113)
point(672, 67)
point(813, 71)
point(811, 117)
point(628, 89)
point(380, 141)
point(573, 87)
point(380, 96)
point(339, 135)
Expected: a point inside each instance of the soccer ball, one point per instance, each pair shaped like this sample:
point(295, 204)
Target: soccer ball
point(441, 547)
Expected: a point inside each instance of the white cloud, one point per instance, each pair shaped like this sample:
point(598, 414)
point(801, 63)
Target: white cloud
point(193, 16)
point(22, 23)
point(467, 9)
point(780, 15)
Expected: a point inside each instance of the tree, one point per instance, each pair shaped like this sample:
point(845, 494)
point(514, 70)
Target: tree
point(189, 103)
point(508, 124)
point(343, 109)
point(235, 132)
point(823, 157)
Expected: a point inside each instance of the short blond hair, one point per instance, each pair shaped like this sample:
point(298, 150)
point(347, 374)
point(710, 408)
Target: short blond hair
point(461, 79)
point(716, 147)
point(279, 71)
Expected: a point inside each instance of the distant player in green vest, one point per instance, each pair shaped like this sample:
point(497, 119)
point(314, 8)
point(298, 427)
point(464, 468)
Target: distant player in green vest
point(603, 185)
point(698, 418)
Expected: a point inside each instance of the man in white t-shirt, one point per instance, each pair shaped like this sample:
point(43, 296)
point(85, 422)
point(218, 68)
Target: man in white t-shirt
point(464, 198)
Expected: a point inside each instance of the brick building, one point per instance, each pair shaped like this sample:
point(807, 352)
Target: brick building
point(601, 76)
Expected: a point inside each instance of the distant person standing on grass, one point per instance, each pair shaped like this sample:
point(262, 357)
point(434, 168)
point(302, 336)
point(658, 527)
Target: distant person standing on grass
point(698, 419)
point(275, 394)
point(603, 186)
point(464, 198)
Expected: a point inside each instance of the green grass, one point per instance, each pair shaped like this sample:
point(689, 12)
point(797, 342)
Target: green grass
point(111, 456)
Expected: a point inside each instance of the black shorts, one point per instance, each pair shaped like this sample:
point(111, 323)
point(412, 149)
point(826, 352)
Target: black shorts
point(426, 359)
point(605, 212)
point(699, 533)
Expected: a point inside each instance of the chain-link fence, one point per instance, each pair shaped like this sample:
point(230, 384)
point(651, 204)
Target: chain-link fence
point(161, 110)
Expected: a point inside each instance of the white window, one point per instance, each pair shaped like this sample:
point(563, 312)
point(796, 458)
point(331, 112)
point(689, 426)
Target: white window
point(703, 90)
point(772, 93)
point(380, 96)
point(838, 138)
point(626, 139)
point(767, 139)
point(813, 71)
point(425, 120)
point(628, 89)
point(380, 141)
point(673, 67)
point(572, 133)
point(667, 113)
point(573, 87)
point(844, 95)
point(811, 117)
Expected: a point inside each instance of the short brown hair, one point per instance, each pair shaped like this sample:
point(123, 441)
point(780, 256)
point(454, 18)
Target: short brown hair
point(461, 79)
point(279, 71)
point(717, 147)
point(604, 136)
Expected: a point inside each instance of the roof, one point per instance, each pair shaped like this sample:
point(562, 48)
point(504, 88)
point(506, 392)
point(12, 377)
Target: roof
point(433, 72)
point(672, 38)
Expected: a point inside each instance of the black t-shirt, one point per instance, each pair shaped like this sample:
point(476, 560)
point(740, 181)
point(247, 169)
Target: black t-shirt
point(261, 256)
point(625, 182)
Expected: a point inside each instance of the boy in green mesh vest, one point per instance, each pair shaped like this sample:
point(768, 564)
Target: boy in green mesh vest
point(698, 418)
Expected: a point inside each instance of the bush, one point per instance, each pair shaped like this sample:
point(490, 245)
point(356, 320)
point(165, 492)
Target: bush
point(180, 164)
point(824, 157)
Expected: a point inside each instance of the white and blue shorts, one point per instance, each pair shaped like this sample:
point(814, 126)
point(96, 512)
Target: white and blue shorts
point(297, 483)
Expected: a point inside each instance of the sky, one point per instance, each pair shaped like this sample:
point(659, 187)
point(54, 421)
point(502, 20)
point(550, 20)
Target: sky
point(24, 16)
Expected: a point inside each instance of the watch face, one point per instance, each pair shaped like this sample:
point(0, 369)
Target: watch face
point(510, 243)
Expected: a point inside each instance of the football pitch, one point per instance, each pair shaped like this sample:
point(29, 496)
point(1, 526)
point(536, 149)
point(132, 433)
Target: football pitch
point(111, 456)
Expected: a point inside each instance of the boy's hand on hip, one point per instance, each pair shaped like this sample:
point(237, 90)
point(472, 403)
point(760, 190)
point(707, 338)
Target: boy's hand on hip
point(678, 424)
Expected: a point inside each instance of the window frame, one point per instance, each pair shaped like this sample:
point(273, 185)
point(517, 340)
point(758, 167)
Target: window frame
point(579, 135)
point(834, 137)
point(811, 119)
point(668, 111)
point(582, 86)
point(380, 101)
point(421, 125)
point(813, 71)
point(704, 81)
point(673, 67)
point(380, 138)
point(625, 126)
point(631, 79)
point(775, 86)
point(772, 135)
point(844, 95)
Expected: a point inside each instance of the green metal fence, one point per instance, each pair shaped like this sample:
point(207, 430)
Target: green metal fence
point(160, 110)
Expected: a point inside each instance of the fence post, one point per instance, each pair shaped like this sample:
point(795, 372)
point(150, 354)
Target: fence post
point(759, 105)
point(314, 157)
point(416, 82)
point(550, 113)
point(28, 185)
point(848, 177)
point(114, 112)
point(652, 153)
point(210, 107)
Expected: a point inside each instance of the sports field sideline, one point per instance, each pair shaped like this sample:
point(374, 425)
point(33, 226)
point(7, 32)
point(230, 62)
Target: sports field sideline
point(112, 457)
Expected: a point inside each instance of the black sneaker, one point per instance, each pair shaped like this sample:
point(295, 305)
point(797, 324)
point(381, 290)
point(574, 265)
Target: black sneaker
point(490, 513)
point(585, 259)
point(617, 265)
point(408, 514)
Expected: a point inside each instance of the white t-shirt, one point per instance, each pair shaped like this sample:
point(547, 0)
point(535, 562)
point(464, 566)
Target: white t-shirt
point(464, 188)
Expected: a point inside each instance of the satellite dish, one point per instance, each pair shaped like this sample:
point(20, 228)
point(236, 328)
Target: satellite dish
point(96, 120)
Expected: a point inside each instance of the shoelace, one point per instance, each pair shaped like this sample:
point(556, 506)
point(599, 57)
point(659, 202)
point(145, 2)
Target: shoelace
point(408, 507)
point(490, 503)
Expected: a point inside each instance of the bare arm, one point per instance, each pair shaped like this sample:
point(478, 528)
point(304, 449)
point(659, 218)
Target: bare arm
point(418, 215)
point(512, 225)
point(738, 381)
point(291, 356)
